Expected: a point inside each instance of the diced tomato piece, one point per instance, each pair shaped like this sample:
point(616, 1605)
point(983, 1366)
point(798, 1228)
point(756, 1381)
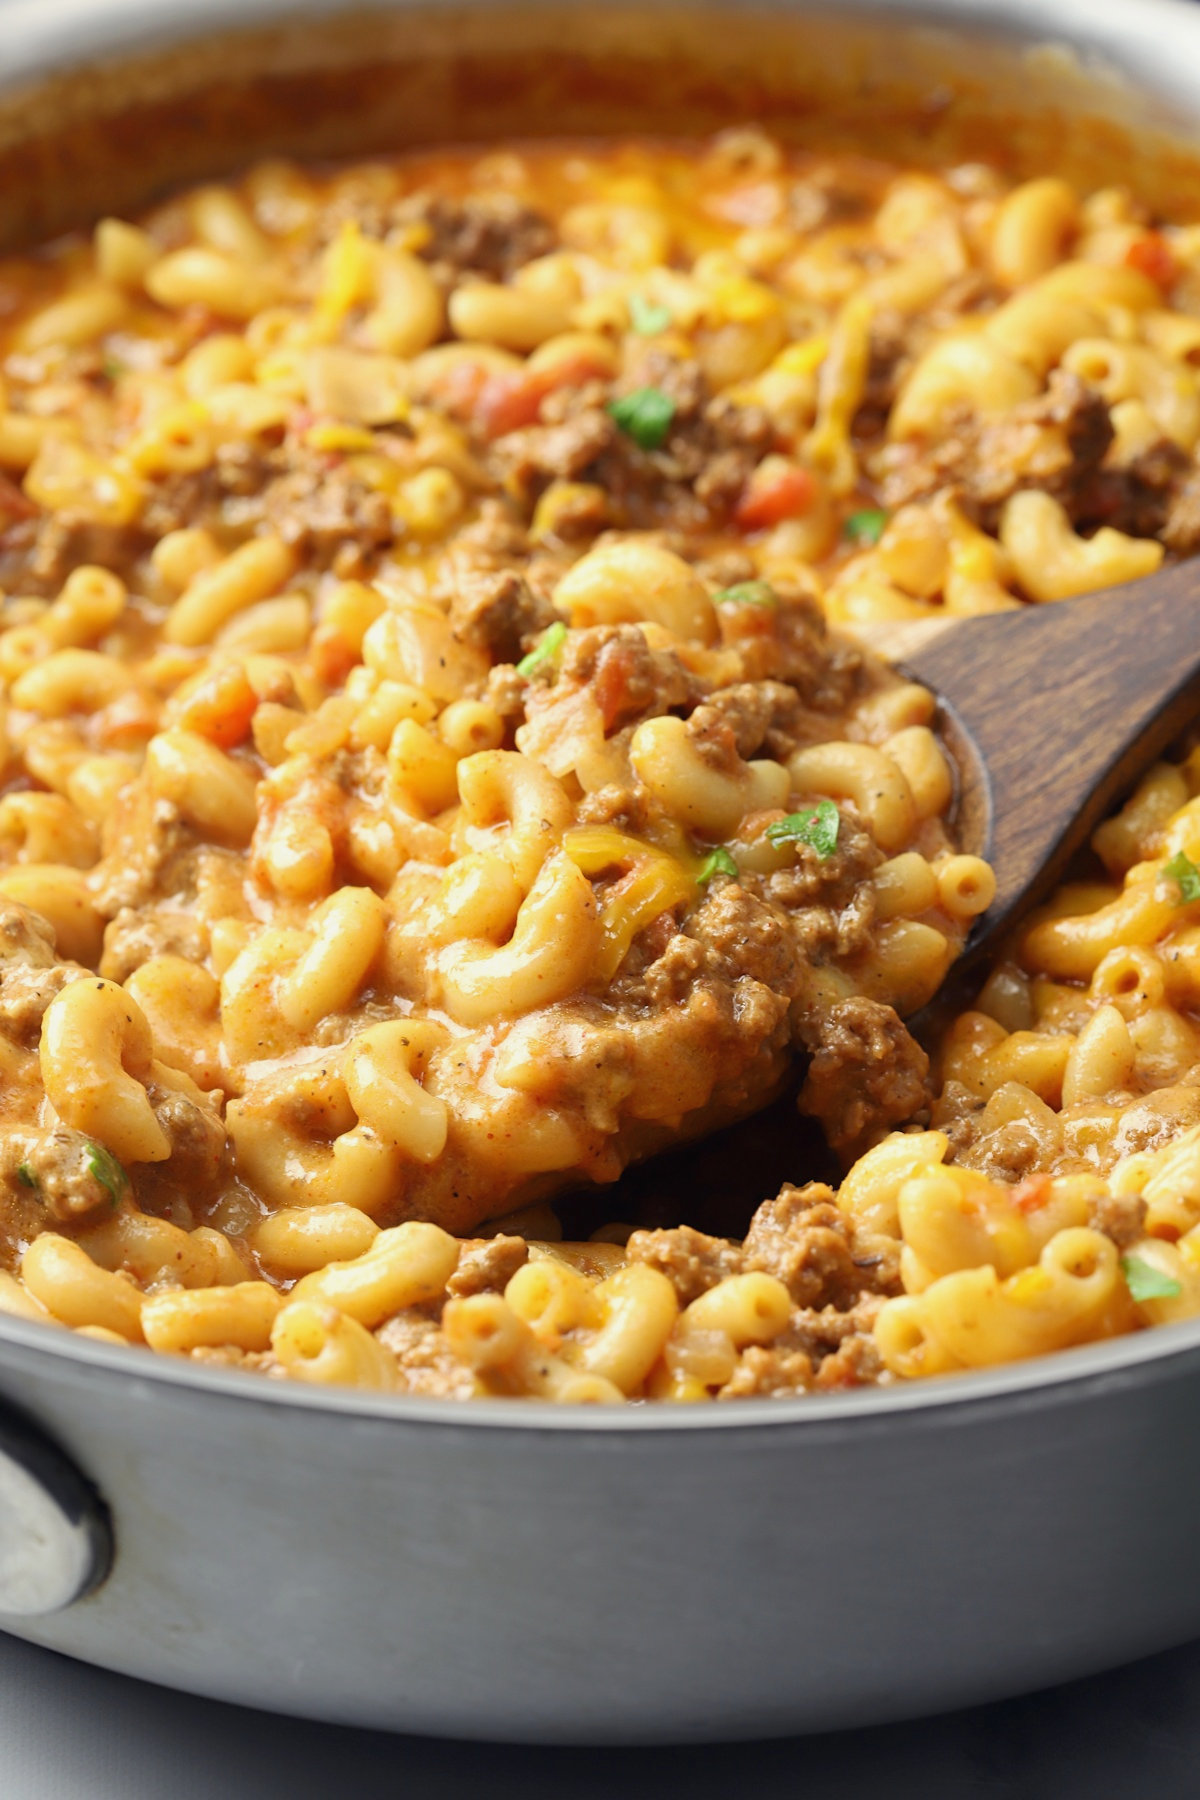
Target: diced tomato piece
point(781, 491)
point(332, 657)
point(613, 668)
point(131, 720)
point(1151, 255)
point(759, 203)
point(655, 936)
point(1032, 1193)
point(511, 398)
point(200, 321)
point(221, 707)
point(616, 665)
point(502, 400)
point(457, 389)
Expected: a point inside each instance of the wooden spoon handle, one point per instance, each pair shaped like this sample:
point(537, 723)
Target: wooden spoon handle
point(1052, 714)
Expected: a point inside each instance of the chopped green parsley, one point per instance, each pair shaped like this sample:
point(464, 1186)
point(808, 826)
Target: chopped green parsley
point(548, 647)
point(865, 527)
point(646, 318)
point(1147, 1283)
point(645, 415)
point(717, 862)
point(817, 827)
point(746, 593)
point(102, 1164)
point(1186, 876)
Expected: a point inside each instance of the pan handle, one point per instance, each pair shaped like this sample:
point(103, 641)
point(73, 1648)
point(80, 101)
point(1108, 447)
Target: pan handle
point(56, 1542)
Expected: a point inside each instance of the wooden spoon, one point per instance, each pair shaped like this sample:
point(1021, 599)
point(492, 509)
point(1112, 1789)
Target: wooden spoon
point(1051, 714)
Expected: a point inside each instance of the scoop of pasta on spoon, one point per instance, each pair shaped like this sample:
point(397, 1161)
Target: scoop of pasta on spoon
point(1052, 712)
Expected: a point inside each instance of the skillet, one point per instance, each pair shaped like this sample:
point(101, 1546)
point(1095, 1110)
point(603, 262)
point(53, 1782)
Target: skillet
point(539, 1574)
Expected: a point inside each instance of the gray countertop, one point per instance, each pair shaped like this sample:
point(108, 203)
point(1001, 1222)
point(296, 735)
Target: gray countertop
point(68, 1732)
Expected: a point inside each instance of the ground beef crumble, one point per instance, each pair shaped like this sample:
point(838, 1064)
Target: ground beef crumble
point(867, 1074)
point(1055, 441)
point(804, 1240)
point(629, 680)
point(1121, 1217)
point(57, 1166)
point(692, 481)
point(487, 1265)
point(836, 1281)
point(691, 1261)
point(426, 1363)
point(483, 234)
point(330, 513)
point(61, 542)
point(31, 973)
point(498, 612)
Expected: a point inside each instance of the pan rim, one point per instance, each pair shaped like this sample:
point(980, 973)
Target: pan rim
point(39, 44)
point(1149, 44)
point(1048, 1379)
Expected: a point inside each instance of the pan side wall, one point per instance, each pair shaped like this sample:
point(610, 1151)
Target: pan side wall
point(597, 1586)
point(321, 79)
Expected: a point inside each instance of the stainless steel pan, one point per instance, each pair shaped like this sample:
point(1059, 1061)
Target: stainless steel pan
point(512, 1571)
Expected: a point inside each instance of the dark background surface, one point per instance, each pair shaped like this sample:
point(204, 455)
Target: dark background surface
point(68, 1732)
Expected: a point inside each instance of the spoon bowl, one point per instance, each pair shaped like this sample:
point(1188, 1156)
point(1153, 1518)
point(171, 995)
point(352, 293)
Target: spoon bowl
point(1051, 713)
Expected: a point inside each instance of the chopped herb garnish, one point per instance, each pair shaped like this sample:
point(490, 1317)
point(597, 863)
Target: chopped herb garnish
point(717, 862)
point(107, 1170)
point(646, 318)
point(1186, 876)
point(645, 416)
point(817, 827)
point(1148, 1283)
point(26, 1176)
point(112, 366)
point(867, 526)
point(746, 593)
point(549, 646)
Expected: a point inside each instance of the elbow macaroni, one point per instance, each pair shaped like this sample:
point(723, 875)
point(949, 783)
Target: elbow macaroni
point(430, 782)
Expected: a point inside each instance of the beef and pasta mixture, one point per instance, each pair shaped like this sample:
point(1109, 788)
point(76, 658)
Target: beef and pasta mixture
point(439, 768)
